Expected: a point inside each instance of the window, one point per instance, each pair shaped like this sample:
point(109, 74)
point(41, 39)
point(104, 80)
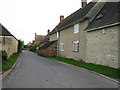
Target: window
point(76, 46)
point(101, 15)
point(62, 47)
point(0, 42)
point(76, 28)
point(55, 47)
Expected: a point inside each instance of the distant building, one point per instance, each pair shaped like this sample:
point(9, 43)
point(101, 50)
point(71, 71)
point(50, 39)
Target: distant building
point(8, 42)
point(47, 47)
point(29, 44)
point(38, 38)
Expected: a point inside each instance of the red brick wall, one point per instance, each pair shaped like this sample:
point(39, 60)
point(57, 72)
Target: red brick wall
point(50, 51)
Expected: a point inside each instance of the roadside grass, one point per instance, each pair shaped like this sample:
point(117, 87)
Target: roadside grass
point(7, 64)
point(105, 70)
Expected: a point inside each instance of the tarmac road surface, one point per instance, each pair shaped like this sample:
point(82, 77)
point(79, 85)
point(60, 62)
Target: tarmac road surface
point(33, 71)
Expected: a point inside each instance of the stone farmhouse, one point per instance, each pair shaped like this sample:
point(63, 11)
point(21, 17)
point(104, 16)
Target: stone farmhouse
point(8, 42)
point(29, 44)
point(90, 34)
point(38, 38)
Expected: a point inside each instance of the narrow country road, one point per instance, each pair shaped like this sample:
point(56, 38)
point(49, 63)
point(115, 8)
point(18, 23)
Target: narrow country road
point(33, 71)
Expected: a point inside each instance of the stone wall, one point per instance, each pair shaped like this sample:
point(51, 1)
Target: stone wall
point(9, 44)
point(67, 36)
point(50, 51)
point(99, 46)
point(53, 37)
point(102, 46)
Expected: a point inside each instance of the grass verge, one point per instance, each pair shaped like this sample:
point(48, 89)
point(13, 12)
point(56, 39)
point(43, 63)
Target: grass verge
point(105, 70)
point(7, 64)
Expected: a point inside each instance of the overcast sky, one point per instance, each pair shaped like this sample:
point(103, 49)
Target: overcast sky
point(24, 18)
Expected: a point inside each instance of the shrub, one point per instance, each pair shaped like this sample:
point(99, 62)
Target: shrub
point(33, 48)
point(6, 65)
point(4, 55)
point(20, 45)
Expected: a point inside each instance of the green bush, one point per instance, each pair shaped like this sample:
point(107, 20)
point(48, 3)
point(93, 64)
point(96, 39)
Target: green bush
point(25, 46)
point(6, 65)
point(20, 45)
point(33, 48)
point(4, 55)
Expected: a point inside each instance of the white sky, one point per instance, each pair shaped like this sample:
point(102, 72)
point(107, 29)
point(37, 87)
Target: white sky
point(24, 18)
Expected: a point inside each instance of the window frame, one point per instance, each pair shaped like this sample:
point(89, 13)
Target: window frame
point(76, 46)
point(76, 28)
point(62, 46)
point(55, 47)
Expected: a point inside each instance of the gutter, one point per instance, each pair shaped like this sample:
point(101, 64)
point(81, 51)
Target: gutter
point(10, 36)
point(93, 29)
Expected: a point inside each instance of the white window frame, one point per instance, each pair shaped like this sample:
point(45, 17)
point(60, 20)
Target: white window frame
point(75, 46)
point(76, 28)
point(62, 46)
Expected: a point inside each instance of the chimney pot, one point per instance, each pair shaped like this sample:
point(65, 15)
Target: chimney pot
point(84, 2)
point(48, 31)
point(61, 17)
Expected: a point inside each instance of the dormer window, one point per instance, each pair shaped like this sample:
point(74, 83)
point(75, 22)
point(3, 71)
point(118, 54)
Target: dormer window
point(76, 28)
point(101, 15)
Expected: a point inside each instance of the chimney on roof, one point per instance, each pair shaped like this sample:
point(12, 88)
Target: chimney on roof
point(35, 35)
point(61, 18)
point(84, 2)
point(48, 31)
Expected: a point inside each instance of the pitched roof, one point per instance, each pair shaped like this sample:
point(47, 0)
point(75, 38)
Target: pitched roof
point(46, 38)
point(39, 37)
point(5, 32)
point(75, 17)
point(45, 46)
point(108, 15)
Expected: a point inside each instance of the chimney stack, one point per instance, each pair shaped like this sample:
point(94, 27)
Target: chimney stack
point(61, 18)
point(48, 31)
point(35, 35)
point(84, 2)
